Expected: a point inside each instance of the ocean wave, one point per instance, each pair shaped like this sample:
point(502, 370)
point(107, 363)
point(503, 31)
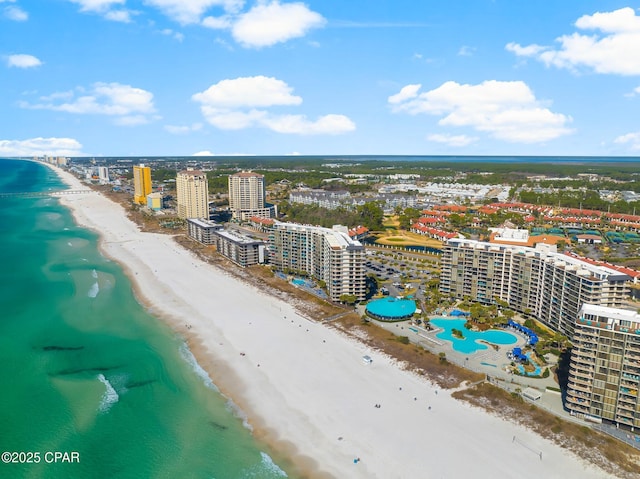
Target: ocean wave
point(188, 356)
point(271, 466)
point(234, 409)
point(110, 395)
point(266, 468)
point(94, 273)
point(94, 290)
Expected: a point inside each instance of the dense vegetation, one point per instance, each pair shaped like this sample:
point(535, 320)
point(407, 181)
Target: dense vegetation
point(369, 215)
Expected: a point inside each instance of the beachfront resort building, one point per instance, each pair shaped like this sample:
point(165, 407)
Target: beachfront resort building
point(193, 194)
point(203, 231)
point(239, 248)
point(141, 183)
point(247, 196)
point(604, 374)
point(548, 285)
point(328, 255)
point(103, 175)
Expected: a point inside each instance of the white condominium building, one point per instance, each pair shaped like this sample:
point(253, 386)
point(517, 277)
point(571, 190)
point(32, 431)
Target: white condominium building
point(548, 285)
point(247, 196)
point(604, 372)
point(328, 255)
point(193, 194)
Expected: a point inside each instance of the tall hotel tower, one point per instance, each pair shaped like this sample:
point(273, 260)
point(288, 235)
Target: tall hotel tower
point(193, 194)
point(247, 196)
point(604, 373)
point(141, 183)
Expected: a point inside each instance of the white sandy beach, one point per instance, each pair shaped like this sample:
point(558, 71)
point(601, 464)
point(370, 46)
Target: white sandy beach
point(304, 386)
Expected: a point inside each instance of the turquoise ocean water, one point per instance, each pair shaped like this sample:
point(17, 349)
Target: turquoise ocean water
point(84, 368)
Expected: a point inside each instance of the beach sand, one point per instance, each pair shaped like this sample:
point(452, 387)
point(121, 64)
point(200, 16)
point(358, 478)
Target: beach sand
point(303, 386)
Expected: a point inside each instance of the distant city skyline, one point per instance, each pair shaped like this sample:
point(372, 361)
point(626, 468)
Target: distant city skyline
point(268, 77)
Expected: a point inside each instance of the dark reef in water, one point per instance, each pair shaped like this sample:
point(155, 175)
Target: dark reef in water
point(139, 384)
point(62, 348)
point(68, 372)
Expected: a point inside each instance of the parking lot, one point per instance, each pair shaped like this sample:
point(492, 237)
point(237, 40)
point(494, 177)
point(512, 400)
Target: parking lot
point(399, 273)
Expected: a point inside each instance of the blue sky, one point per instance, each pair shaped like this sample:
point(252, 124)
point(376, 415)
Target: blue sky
point(332, 77)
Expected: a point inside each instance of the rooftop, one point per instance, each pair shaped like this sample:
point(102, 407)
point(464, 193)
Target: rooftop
point(614, 315)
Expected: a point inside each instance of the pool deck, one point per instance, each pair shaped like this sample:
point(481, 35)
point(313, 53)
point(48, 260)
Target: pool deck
point(492, 363)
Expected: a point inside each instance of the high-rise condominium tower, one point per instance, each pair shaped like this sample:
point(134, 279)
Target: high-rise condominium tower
point(247, 196)
point(193, 194)
point(141, 183)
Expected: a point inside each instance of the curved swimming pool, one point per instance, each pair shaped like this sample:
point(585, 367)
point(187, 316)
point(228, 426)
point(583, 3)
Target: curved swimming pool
point(469, 344)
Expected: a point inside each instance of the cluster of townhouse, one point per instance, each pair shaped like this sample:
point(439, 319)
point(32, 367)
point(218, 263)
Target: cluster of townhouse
point(580, 299)
point(332, 200)
point(571, 217)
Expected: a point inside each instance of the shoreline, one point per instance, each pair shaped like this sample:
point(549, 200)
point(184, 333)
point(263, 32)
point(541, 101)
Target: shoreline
point(302, 385)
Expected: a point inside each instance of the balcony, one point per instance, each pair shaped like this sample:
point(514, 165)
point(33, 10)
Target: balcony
point(576, 387)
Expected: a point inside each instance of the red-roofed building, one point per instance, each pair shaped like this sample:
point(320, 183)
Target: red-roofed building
point(359, 232)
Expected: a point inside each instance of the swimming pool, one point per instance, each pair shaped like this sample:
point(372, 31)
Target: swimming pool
point(299, 282)
point(469, 344)
point(391, 309)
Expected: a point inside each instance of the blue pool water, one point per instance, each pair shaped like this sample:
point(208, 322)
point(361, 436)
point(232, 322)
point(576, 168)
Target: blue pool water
point(298, 282)
point(470, 343)
point(391, 309)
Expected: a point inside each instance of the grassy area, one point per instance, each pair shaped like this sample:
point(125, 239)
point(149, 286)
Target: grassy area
point(391, 222)
point(407, 238)
point(611, 455)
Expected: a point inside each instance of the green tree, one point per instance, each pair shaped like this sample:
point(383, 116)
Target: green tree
point(348, 298)
point(371, 215)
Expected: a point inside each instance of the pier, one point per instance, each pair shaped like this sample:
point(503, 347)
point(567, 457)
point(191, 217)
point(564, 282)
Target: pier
point(42, 194)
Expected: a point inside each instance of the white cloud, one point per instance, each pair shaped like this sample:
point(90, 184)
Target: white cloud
point(257, 91)
point(241, 103)
point(204, 153)
point(123, 16)
point(505, 110)
point(226, 119)
point(528, 51)
point(611, 49)
point(16, 14)
point(631, 139)
point(176, 35)
point(182, 129)
point(105, 8)
point(300, 125)
point(40, 147)
point(217, 23)
point(23, 61)
point(452, 140)
point(97, 5)
point(269, 23)
point(407, 92)
point(191, 11)
point(131, 105)
point(466, 51)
